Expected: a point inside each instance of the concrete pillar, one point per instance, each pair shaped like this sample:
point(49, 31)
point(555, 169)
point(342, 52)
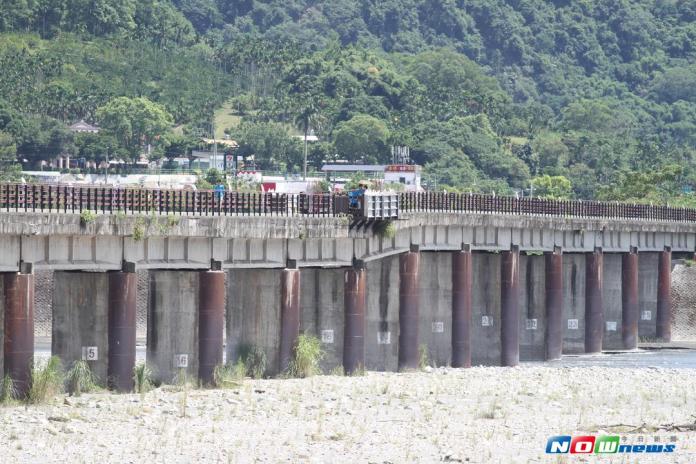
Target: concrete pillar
point(435, 318)
point(594, 310)
point(19, 330)
point(485, 295)
point(647, 293)
point(355, 297)
point(554, 305)
point(574, 303)
point(81, 319)
point(322, 312)
point(172, 325)
point(461, 308)
point(408, 310)
point(532, 307)
point(289, 315)
point(253, 315)
point(211, 321)
point(629, 300)
point(612, 270)
point(123, 290)
point(664, 296)
point(382, 319)
point(509, 307)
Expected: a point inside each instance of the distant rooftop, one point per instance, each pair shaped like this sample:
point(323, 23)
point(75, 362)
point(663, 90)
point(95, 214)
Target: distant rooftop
point(223, 142)
point(82, 126)
point(353, 168)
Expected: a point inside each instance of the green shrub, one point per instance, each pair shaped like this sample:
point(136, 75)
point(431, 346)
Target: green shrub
point(423, 356)
point(8, 392)
point(229, 376)
point(80, 379)
point(87, 217)
point(385, 229)
point(142, 378)
point(254, 358)
point(47, 381)
point(306, 357)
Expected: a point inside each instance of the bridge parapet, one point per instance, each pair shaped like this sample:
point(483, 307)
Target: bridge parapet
point(60, 240)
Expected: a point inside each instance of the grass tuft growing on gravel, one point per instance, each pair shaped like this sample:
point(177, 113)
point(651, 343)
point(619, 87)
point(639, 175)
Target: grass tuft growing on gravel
point(8, 392)
point(142, 378)
point(80, 379)
point(47, 380)
point(306, 357)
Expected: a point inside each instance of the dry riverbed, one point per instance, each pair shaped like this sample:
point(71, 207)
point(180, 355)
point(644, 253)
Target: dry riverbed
point(446, 415)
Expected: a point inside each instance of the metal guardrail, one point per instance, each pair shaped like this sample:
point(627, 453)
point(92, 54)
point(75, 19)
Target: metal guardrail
point(108, 200)
point(452, 202)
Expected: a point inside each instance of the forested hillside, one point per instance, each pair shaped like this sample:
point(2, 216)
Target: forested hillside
point(589, 99)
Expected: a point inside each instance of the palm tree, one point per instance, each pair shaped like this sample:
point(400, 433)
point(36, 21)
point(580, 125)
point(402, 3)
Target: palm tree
point(308, 116)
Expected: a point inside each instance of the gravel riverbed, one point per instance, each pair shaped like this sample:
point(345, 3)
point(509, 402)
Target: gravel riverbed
point(446, 415)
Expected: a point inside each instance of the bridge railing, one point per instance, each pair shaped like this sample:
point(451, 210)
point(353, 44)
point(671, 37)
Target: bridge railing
point(109, 200)
point(475, 203)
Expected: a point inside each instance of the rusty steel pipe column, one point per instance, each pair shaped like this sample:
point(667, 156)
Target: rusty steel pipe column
point(664, 296)
point(355, 304)
point(19, 330)
point(554, 305)
point(211, 321)
point(408, 310)
point(289, 315)
point(461, 308)
point(123, 288)
point(594, 304)
point(509, 307)
point(629, 299)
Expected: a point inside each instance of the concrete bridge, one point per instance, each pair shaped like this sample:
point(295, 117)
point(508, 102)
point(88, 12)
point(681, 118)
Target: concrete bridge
point(475, 279)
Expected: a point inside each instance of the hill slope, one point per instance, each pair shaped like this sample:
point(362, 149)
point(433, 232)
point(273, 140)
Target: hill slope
point(488, 93)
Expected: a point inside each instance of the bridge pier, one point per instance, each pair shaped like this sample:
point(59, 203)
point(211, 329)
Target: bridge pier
point(123, 287)
point(612, 301)
point(289, 316)
point(647, 293)
point(382, 318)
point(594, 310)
point(509, 307)
point(172, 325)
point(574, 291)
point(355, 302)
point(435, 318)
point(211, 320)
point(664, 296)
point(322, 311)
point(461, 308)
point(18, 299)
point(629, 300)
point(408, 310)
point(486, 293)
point(532, 307)
point(253, 315)
point(81, 319)
point(554, 305)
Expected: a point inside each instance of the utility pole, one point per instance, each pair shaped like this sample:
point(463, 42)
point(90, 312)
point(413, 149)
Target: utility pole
point(106, 168)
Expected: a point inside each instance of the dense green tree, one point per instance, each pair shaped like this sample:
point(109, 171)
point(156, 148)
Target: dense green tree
point(270, 145)
point(552, 187)
point(363, 138)
point(134, 122)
